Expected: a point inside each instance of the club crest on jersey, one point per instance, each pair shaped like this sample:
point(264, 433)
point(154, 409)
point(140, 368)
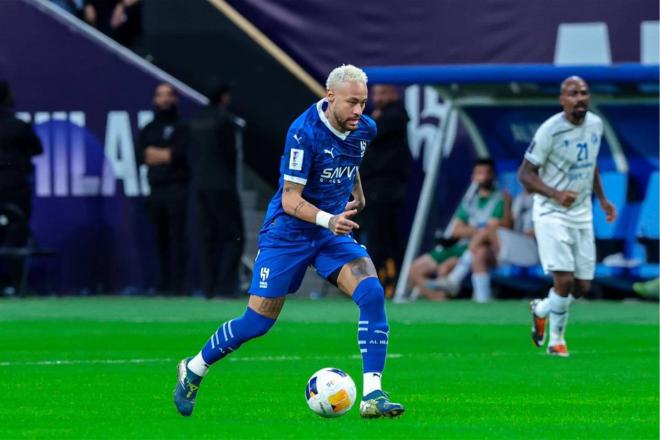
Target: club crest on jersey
point(334, 175)
point(594, 138)
point(363, 148)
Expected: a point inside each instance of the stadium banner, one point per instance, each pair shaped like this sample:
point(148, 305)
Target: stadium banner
point(86, 99)
point(320, 35)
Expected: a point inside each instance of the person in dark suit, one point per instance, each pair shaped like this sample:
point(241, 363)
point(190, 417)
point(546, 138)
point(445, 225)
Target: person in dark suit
point(213, 164)
point(162, 147)
point(18, 145)
point(384, 173)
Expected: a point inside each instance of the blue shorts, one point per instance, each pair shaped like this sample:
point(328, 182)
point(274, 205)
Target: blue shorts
point(281, 265)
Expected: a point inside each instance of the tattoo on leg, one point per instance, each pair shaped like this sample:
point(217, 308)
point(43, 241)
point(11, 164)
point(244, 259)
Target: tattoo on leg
point(300, 205)
point(362, 268)
point(270, 306)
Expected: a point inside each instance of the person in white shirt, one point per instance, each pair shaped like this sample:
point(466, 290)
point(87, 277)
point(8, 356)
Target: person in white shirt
point(560, 169)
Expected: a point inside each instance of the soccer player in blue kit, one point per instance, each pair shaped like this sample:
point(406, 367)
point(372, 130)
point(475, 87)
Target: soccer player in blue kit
point(308, 223)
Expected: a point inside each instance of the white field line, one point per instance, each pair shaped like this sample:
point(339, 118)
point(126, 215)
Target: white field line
point(443, 355)
point(167, 360)
point(83, 362)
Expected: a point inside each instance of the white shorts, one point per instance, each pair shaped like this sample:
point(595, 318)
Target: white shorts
point(516, 248)
point(566, 249)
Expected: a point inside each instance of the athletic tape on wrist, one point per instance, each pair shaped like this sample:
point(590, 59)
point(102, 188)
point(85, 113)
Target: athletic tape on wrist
point(323, 219)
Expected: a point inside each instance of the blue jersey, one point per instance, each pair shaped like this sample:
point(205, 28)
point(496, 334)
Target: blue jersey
point(323, 159)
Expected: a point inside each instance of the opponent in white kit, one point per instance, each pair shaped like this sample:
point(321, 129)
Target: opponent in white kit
point(560, 169)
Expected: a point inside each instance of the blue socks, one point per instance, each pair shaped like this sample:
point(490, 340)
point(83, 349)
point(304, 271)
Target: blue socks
point(373, 330)
point(232, 334)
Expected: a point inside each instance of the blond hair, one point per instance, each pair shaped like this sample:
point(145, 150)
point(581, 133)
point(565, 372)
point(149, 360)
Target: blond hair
point(344, 73)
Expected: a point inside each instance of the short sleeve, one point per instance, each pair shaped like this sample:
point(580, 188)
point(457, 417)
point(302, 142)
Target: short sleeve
point(297, 159)
point(462, 214)
point(539, 149)
point(498, 211)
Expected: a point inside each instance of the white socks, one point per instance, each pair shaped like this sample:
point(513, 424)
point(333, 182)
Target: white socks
point(198, 366)
point(543, 307)
point(481, 287)
point(371, 382)
point(558, 317)
point(462, 268)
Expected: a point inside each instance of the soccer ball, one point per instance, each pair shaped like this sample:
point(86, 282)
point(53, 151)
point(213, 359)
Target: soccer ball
point(330, 392)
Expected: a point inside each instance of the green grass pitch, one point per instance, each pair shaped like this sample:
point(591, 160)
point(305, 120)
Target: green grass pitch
point(105, 368)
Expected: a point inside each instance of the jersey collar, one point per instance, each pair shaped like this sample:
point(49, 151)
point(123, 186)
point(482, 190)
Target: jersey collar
point(324, 119)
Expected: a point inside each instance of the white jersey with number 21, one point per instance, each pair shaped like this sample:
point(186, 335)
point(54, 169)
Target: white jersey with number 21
point(566, 155)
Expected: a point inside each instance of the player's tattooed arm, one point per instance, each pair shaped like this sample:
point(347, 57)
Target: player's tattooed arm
point(528, 174)
point(294, 204)
point(358, 202)
point(300, 206)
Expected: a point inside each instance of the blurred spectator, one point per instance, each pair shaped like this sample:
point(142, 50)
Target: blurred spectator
point(18, 144)
point(384, 174)
point(119, 19)
point(73, 7)
point(162, 147)
point(496, 245)
point(213, 163)
point(483, 207)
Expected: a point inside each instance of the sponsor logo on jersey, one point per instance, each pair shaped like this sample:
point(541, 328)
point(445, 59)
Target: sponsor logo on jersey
point(334, 175)
point(296, 159)
point(363, 148)
point(297, 138)
point(329, 152)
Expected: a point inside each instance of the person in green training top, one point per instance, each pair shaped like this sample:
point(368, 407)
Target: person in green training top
point(485, 206)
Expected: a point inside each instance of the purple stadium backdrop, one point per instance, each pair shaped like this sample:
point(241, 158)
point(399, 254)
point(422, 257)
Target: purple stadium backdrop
point(320, 34)
point(87, 102)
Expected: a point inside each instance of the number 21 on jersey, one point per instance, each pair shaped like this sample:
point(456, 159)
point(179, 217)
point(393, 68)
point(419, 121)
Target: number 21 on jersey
point(583, 152)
